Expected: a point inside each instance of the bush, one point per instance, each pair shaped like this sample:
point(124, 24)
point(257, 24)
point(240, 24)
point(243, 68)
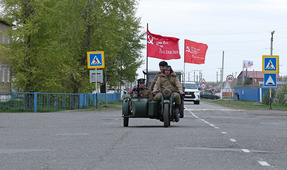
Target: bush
point(280, 93)
point(266, 97)
point(247, 81)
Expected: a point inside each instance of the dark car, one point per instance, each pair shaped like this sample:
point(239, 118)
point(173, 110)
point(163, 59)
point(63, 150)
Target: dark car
point(207, 94)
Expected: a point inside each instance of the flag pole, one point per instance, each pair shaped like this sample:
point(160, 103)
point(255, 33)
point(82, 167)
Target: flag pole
point(147, 82)
point(184, 63)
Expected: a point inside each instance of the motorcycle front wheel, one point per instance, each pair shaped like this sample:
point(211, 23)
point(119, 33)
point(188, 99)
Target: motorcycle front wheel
point(166, 116)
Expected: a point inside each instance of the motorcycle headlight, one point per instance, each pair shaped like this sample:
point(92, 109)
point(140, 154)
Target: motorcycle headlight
point(166, 93)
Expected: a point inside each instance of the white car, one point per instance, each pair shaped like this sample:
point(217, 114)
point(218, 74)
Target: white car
point(191, 92)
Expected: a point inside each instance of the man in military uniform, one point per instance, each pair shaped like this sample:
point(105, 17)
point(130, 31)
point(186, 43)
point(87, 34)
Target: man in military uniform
point(142, 91)
point(161, 64)
point(167, 80)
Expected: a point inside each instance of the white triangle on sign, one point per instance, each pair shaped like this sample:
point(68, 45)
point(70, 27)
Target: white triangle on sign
point(203, 81)
point(270, 81)
point(270, 65)
point(96, 61)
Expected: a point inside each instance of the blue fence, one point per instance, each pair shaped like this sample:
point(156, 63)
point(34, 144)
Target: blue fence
point(41, 102)
point(253, 94)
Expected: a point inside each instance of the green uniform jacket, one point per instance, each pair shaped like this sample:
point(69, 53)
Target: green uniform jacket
point(144, 93)
point(151, 87)
point(170, 82)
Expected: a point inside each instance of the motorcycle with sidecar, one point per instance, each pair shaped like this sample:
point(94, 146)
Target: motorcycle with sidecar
point(138, 107)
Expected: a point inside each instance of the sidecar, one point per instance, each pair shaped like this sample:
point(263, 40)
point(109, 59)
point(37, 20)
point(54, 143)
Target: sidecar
point(144, 108)
point(139, 108)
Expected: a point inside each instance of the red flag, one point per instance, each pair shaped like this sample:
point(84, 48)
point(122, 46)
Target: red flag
point(194, 52)
point(161, 47)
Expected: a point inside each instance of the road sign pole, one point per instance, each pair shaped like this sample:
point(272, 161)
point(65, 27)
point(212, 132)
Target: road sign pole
point(270, 98)
point(96, 74)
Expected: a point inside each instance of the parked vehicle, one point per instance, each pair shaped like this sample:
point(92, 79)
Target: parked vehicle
point(191, 92)
point(207, 94)
point(137, 107)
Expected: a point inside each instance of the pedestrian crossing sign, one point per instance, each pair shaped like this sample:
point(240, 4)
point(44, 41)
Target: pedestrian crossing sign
point(270, 80)
point(95, 59)
point(270, 64)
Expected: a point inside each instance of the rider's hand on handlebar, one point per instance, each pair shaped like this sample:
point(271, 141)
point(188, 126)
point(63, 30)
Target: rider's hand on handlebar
point(181, 92)
point(154, 91)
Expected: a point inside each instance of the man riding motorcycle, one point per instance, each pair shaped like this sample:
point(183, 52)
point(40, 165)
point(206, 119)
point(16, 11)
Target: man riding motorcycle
point(161, 64)
point(167, 80)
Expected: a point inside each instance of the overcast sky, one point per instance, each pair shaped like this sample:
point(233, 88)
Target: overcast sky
point(242, 29)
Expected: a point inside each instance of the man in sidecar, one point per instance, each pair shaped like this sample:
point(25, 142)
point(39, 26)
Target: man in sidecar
point(170, 81)
point(142, 91)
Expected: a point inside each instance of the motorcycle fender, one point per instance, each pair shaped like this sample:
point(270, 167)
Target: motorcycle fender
point(162, 104)
point(171, 100)
point(125, 107)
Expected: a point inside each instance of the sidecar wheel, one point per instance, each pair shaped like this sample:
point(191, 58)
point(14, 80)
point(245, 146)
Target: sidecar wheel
point(126, 121)
point(166, 119)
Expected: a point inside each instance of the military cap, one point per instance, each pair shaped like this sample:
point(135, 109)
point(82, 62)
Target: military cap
point(162, 63)
point(168, 67)
point(141, 80)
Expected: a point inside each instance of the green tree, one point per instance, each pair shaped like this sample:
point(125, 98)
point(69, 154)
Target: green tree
point(51, 39)
point(247, 81)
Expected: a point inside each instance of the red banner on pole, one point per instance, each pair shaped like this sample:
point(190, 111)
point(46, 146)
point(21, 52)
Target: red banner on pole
point(194, 52)
point(162, 47)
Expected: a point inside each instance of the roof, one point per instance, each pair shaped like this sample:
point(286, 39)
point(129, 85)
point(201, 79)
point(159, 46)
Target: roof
point(253, 74)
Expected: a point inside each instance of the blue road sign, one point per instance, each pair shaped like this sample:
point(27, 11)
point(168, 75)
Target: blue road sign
point(270, 64)
point(95, 59)
point(270, 80)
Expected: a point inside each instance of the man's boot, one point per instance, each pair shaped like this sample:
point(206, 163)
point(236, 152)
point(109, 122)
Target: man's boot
point(176, 112)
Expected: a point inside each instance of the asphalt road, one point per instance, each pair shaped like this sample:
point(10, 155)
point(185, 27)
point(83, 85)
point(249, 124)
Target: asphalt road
point(208, 137)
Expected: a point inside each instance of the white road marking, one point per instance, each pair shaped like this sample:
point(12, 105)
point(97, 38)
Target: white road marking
point(263, 163)
point(234, 110)
point(72, 134)
point(206, 122)
point(246, 150)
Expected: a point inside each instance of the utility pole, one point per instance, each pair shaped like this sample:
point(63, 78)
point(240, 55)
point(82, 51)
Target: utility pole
point(271, 52)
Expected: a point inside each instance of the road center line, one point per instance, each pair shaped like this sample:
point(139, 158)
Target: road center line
point(263, 163)
point(246, 150)
point(204, 121)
